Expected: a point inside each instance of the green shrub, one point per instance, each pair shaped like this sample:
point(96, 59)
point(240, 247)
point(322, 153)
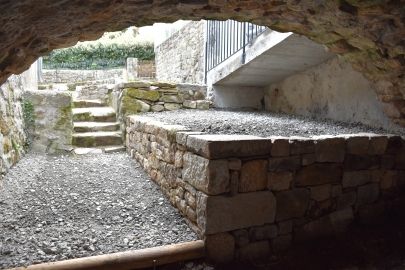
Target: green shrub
point(97, 56)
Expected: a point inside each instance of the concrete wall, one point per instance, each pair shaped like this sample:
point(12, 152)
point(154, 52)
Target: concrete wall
point(237, 97)
point(331, 90)
point(13, 137)
point(180, 58)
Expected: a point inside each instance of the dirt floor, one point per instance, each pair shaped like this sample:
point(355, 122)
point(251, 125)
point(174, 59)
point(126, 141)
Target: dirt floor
point(60, 207)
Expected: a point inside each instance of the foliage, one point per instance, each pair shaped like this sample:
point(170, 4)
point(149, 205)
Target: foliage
point(97, 56)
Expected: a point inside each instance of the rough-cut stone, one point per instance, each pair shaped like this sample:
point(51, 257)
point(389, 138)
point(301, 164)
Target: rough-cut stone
point(330, 149)
point(157, 108)
point(282, 243)
point(367, 194)
point(225, 146)
point(318, 174)
point(222, 213)
point(358, 145)
point(209, 176)
point(241, 237)
point(355, 178)
point(254, 251)
point(253, 176)
point(347, 199)
point(172, 106)
point(361, 162)
point(388, 179)
point(292, 203)
point(220, 247)
point(377, 145)
point(278, 181)
point(284, 163)
point(190, 104)
point(285, 227)
point(300, 146)
point(203, 104)
point(142, 94)
point(172, 99)
point(265, 232)
point(234, 164)
point(321, 193)
point(308, 159)
point(280, 147)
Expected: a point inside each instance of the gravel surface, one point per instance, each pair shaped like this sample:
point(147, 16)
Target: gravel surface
point(261, 124)
point(60, 207)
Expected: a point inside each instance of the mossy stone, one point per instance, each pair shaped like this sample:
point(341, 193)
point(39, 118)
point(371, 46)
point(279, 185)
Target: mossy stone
point(133, 106)
point(142, 94)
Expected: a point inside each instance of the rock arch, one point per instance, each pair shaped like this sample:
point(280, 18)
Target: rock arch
point(369, 33)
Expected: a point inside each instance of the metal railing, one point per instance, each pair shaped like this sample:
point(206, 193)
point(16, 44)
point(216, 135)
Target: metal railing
point(225, 38)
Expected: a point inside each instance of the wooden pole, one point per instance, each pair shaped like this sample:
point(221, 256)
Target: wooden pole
point(134, 259)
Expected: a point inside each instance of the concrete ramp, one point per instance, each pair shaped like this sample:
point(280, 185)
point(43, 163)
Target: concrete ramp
point(270, 58)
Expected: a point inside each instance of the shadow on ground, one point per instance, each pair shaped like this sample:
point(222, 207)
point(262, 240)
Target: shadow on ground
point(377, 246)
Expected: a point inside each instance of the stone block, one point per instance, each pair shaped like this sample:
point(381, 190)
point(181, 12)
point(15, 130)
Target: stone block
point(361, 162)
point(355, 178)
point(281, 243)
point(318, 174)
point(308, 159)
point(157, 108)
point(203, 104)
point(172, 106)
point(181, 136)
point(254, 251)
point(265, 232)
point(336, 190)
point(278, 181)
point(299, 146)
point(358, 145)
point(241, 237)
point(253, 176)
point(224, 213)
point(280, 147)
point(190, 104)
point(178, 159)
point(377, 145)
point(190, 200)
point(347, 199)
point(341, 219)
point(394, 145)
point(389, 179)
point(234, 184)
point(367, 194)
point(321, 193)
point(292, 203)
point(142, 94)
point(387, 161)
point(220, 247)
point(172, 99)
point(228, 146)
point(285, 227)
point(278, 164)
point(330, 149)
point(235, 164)
point(209, 176)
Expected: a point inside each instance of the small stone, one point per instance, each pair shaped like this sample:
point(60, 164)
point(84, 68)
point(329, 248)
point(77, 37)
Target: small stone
point(253, 176)
point(278, 181)
point(330, 149)
point(367, 193)
point(321, 193)
point(280, 147)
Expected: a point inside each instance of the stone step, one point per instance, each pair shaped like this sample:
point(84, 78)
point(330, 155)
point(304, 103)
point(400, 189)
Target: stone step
point(94, 114)
point(94, 139)
point(99, 150)
point(95, 126)
point(86, 103)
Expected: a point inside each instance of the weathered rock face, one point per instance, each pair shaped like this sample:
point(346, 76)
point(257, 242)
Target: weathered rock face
point(368, 33)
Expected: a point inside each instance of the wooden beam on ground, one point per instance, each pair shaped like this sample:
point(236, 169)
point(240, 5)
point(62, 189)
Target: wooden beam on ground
point(133, 259)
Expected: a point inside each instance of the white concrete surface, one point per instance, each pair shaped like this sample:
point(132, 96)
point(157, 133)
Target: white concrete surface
point(331, 90)
point(225, 96)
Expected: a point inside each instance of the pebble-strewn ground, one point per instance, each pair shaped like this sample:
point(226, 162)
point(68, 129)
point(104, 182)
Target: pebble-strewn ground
point(60, 207)
point(261, 124)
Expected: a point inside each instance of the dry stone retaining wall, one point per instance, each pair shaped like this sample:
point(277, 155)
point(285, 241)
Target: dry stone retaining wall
point(75, 76)
point(180, 58)
point(250, 196)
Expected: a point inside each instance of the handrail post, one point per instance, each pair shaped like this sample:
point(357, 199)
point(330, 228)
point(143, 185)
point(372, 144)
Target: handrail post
point(244, 43)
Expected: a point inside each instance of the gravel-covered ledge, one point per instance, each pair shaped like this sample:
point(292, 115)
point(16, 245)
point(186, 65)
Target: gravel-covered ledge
point(249, 196)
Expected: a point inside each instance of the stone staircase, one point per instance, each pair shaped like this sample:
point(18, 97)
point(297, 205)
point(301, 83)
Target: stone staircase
point(95, 128)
